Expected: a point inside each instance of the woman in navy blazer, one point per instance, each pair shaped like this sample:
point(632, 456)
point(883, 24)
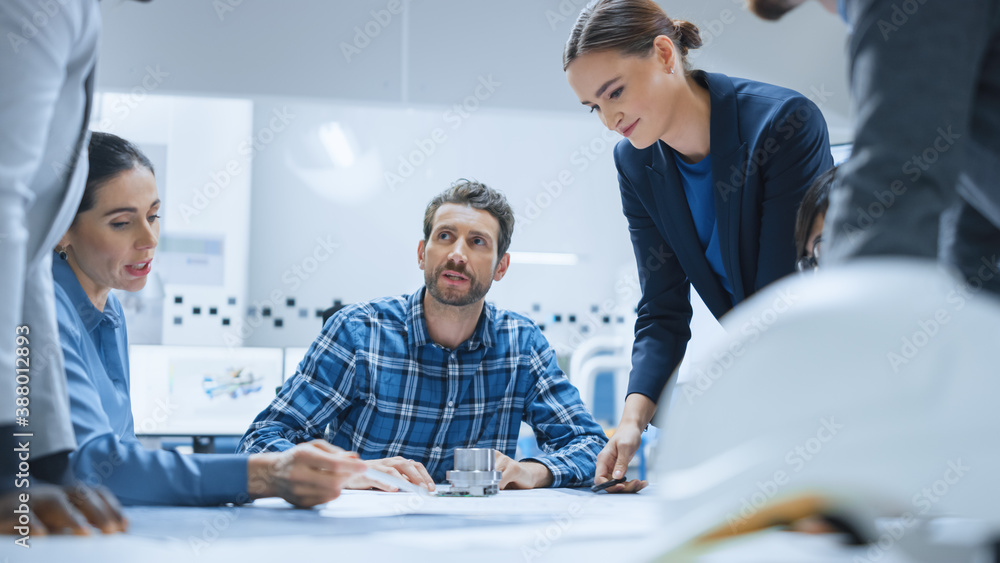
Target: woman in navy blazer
point(711, 176)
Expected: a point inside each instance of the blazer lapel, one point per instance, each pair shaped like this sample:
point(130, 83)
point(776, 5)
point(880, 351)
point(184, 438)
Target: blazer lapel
point(678, 225)
point(729, 160)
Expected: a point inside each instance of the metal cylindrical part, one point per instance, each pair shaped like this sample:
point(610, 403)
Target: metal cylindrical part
point(475, 473)
point(475, 459)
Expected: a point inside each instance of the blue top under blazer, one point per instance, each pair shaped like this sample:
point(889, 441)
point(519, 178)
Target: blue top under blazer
point(767, 145)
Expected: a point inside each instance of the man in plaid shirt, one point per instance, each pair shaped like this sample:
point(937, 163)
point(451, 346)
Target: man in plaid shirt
point(405, 380)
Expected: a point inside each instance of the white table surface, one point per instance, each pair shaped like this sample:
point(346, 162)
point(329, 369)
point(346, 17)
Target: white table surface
point(516, 526)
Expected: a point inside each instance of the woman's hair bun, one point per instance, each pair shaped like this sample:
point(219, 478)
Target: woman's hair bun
point(688, 36)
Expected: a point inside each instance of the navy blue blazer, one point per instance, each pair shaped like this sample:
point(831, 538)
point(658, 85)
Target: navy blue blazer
point(767, 145)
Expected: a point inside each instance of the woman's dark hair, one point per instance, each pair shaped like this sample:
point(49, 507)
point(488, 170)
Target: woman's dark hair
point(814, 203)
point(629, 27)
point(109, 155)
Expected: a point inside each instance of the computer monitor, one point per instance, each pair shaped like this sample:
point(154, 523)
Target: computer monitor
point(841, 152)
point(293, 356)
point(201, 390)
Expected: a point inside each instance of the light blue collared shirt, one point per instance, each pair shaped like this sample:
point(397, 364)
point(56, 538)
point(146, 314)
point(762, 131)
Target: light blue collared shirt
point(95, 347)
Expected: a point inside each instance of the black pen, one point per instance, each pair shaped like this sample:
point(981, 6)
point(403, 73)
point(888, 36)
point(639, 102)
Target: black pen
point(606, 484)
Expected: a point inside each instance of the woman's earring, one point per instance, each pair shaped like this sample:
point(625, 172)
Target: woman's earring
point(671, 70)
point(62, 252)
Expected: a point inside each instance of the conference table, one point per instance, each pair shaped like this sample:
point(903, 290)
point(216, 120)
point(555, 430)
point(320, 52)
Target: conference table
point(524, 526)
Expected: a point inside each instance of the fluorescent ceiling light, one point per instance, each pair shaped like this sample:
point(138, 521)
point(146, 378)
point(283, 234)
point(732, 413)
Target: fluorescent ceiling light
point(336, 144)
point(544, 258)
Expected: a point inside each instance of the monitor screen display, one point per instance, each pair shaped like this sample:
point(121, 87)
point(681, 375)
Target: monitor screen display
point(201, 390)
point(841, 152)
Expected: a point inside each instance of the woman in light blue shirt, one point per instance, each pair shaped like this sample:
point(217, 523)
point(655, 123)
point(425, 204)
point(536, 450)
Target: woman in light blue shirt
point(111, 245)
point(47, 75)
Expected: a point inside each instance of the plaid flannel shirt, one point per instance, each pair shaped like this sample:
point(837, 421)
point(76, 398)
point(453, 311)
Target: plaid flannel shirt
point(375, 383)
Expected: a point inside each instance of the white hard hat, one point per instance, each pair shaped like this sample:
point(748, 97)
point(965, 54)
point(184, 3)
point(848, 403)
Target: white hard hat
point(869, 389)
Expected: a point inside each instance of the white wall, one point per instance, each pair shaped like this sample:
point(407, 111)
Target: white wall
point(407, 66)
point(201, 198)
point(434, 51)
point(371, 212)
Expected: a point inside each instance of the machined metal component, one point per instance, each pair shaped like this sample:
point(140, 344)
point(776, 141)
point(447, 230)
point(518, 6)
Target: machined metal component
point(475, 473)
